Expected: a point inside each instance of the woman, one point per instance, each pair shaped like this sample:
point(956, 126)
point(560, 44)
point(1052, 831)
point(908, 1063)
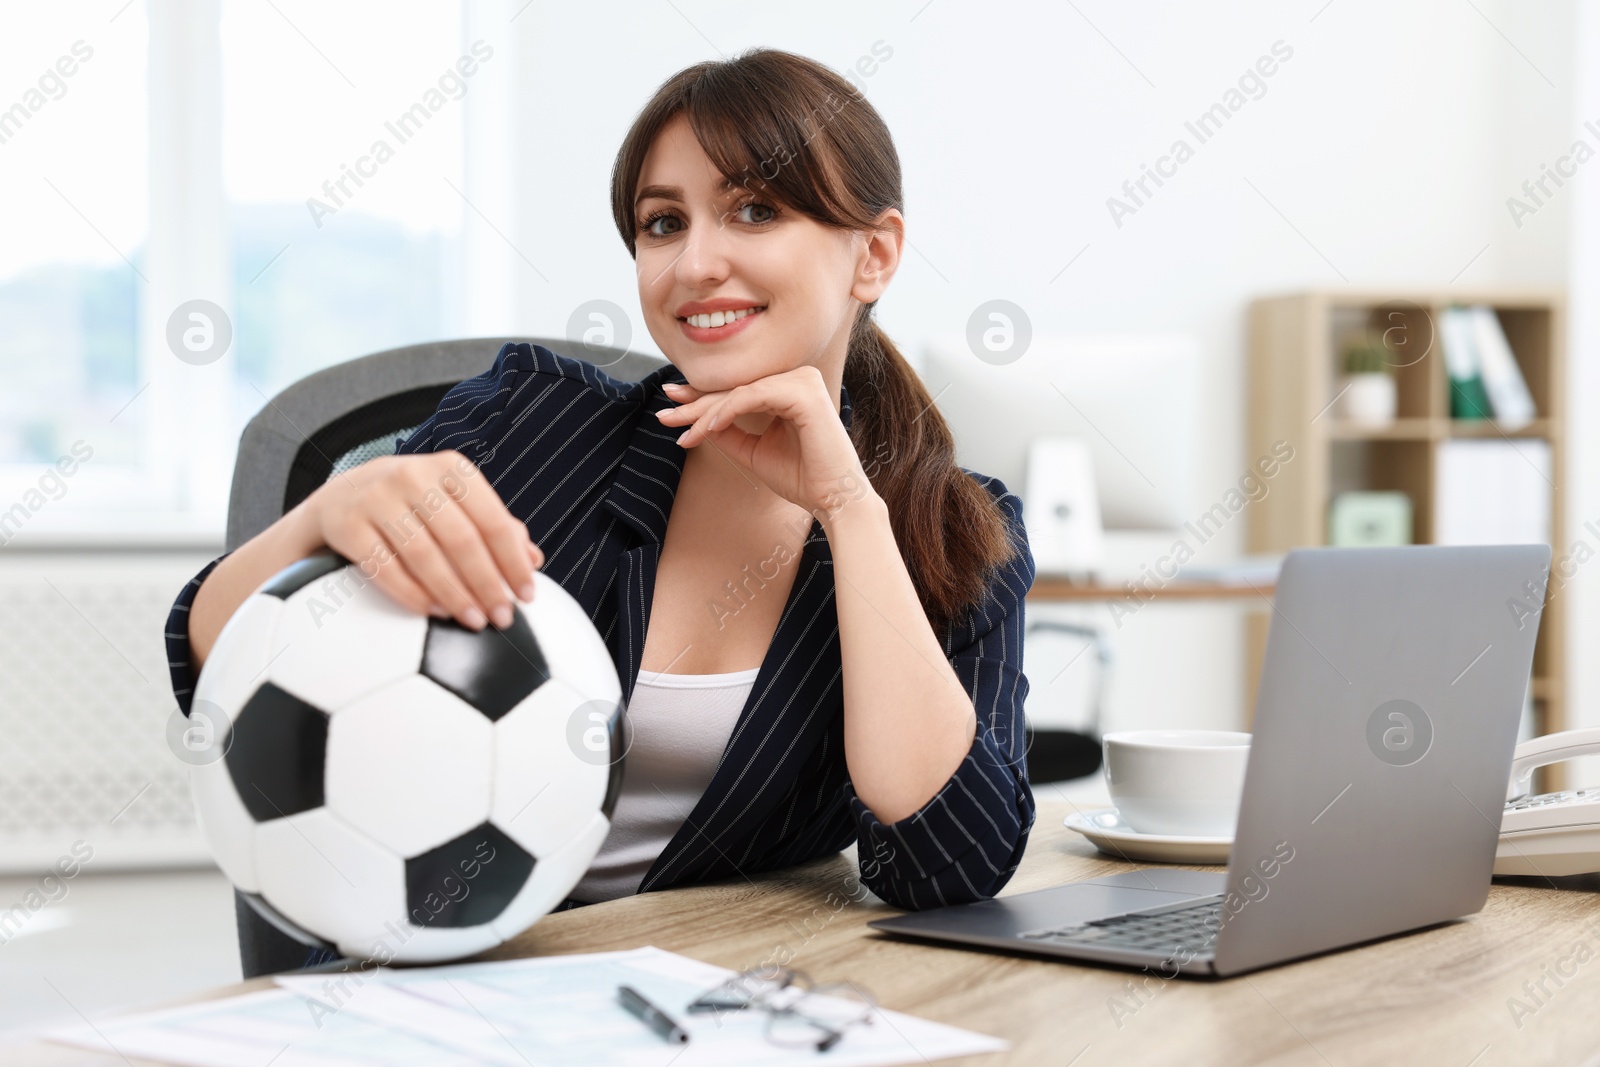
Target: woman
point(817, 617)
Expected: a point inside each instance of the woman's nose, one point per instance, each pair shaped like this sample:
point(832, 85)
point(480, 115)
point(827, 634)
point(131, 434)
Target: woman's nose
point(705, 252)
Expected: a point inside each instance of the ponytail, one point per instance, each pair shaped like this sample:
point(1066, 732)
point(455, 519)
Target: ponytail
point(951, 532)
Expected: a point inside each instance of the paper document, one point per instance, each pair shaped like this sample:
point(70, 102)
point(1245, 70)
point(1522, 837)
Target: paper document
point(257, 1029)
point(563, 1010)
point(556, 1010)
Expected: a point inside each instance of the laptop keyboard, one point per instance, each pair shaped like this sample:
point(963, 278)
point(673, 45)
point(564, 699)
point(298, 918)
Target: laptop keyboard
point(1191, 926)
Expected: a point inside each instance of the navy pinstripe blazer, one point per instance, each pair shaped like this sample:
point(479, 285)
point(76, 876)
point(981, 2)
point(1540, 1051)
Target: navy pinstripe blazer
point(580, 458)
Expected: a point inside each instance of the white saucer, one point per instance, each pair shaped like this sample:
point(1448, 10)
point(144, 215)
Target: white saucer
point(1105, 828)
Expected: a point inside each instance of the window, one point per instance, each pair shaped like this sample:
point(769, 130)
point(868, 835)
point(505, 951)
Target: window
point(300, 164)
point(74, 136)
point(340, 179)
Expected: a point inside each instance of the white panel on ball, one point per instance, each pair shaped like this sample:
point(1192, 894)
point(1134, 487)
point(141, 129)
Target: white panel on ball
point(228, 828)
point(330, 879)
point(409, 765)
point(546, 784)
point(233, 670)
point(572, 648)
point(230, 676)
point(554, 875)
point(373, 640)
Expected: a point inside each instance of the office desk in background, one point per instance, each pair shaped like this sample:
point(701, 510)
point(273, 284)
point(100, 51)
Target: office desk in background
point(1440, 996)
point(1052, 589)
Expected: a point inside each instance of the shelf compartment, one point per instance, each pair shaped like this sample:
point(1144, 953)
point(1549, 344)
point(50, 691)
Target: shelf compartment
point(1386, 465)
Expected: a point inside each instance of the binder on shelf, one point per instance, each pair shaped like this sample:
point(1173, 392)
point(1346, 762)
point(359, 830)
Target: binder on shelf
point(1492, 492)
point(1468, 399)
point(1508, 394)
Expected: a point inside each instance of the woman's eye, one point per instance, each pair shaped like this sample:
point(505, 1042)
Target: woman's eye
point(760, 207)
point(648, 226)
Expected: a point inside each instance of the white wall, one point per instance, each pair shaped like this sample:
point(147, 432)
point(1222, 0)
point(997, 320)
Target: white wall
point(1386, 145)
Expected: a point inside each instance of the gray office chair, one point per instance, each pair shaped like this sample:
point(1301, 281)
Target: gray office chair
point(325, 424)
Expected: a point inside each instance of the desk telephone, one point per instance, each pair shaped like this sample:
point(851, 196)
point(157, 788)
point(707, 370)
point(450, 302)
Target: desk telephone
point(1550, 833)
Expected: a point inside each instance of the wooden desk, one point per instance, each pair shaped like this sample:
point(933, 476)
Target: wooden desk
point(1435, 997)
point(1055, 590)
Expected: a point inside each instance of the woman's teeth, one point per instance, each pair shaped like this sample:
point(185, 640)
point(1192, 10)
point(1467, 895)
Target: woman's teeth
point(721, 318)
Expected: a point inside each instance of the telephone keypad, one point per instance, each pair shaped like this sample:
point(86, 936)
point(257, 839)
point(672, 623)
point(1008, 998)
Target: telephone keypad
point(1566, 796)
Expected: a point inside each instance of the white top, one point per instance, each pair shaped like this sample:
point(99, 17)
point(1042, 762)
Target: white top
point(679, 724)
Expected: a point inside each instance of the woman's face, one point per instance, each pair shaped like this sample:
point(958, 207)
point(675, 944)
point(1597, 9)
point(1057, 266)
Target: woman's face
point(705, 248)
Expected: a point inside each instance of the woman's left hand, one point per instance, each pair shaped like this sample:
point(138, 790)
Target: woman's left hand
point(805, 454)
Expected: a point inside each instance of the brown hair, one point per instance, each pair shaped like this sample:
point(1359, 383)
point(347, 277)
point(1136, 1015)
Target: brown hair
point(789, 126)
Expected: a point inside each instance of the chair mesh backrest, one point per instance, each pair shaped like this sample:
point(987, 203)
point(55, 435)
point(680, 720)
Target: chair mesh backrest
point(383, 445)
point(366, 433)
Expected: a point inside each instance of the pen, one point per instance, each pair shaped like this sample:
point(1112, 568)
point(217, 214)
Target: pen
point(652, 1016)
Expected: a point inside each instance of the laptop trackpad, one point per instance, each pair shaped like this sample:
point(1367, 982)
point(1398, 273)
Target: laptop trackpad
point(1169, 879)
point(1063, 905)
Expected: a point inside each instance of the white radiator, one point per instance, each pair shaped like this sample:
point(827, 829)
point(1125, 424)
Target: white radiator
point(85, 699)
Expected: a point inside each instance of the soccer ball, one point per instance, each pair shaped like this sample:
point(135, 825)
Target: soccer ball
point(395, 786)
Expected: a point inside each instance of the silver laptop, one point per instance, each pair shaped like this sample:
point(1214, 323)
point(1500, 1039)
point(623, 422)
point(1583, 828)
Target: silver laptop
point(1390, 697)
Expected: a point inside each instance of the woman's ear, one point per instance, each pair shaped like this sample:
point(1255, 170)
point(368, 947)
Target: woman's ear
point(879, 256)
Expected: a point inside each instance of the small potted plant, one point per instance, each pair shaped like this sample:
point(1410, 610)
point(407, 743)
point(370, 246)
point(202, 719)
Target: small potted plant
point(1367, 394)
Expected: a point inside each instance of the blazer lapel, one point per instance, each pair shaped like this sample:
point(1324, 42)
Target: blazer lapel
point(797, 693)
point(641, 496)
point(798, 690)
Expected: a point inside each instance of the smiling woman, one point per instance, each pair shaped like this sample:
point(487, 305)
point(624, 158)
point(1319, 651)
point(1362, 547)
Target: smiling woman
point(760, 198)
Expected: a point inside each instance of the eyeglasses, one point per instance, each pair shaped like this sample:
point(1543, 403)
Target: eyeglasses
point(800, 1013)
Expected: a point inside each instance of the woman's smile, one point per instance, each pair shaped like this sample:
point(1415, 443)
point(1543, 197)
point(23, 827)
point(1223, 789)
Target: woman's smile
point(718, 325)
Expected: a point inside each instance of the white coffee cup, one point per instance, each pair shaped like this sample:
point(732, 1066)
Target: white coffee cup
point(1179, 783)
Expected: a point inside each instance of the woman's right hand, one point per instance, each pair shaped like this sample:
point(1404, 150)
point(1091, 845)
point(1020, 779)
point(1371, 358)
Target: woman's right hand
point(433, 534)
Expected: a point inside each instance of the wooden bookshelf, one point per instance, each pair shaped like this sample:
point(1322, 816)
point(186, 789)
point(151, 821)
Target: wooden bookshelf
point(1294, 346)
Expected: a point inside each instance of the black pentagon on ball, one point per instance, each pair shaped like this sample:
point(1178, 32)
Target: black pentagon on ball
point(492, 669)
point(277, 919)
point(297, 576)
point(467, 881)
point(277, 755)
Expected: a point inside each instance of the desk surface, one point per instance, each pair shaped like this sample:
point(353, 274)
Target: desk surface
point(1441, 996)
point(1052, 589)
